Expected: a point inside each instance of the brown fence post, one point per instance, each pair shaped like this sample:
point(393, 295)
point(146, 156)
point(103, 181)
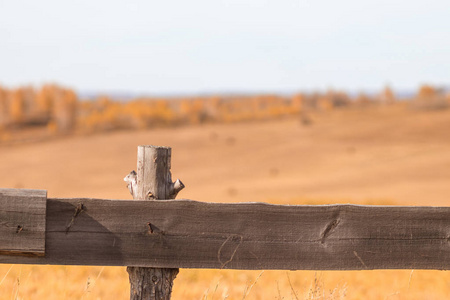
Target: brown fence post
point(153, 181)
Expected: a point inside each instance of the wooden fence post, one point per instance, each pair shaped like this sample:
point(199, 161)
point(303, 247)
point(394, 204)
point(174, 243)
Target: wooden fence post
point(153, 181)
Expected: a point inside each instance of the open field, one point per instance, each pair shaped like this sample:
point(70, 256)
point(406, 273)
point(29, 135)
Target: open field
point(381, 155)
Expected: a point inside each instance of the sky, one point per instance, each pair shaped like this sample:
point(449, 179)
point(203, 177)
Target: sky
point(208, 46)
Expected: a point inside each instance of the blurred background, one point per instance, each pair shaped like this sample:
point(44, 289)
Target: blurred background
point(287, 102)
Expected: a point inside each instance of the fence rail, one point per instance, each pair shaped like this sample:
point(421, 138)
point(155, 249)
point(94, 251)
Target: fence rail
point(191, 234)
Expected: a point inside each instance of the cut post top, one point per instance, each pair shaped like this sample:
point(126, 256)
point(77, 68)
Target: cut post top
point(155, 147)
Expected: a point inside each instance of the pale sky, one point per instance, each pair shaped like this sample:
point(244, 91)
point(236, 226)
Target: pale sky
point(207, 46)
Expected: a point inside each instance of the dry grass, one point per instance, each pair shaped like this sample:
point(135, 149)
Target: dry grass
point(375, 156)
point(66, 282)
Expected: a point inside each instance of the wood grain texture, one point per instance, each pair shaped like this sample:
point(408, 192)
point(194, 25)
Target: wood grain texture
point(151, 283)
point(153, 173)
point(22, 222)
point(190, 234)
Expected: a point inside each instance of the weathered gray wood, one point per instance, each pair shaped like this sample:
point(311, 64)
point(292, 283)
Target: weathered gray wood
point(190, 234)
point(22, 222)
point(153, 181)
point(151, 283)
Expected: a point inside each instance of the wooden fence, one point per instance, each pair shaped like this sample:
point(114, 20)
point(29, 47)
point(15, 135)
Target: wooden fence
point(190, 234)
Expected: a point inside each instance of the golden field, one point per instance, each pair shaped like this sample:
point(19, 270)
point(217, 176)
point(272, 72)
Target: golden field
point(376, 155)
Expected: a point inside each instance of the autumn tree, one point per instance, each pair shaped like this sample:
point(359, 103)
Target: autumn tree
point(297, 102)
point(387, 96)
point(3, 107)
point(64, 109)
point(429, 97)
point(16, 106)
point(45, 99)
point(363, 99)
point(426, 93)
point(325, 103)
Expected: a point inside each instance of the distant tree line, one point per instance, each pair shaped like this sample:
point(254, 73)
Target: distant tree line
point(59, 110)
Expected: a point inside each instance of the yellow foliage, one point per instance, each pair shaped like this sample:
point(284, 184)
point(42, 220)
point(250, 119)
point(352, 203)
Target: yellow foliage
point(44, 99)
point(426, 92)
point(16, 107)
point(59, 110)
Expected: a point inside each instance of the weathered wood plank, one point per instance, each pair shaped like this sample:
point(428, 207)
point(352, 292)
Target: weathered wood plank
point(190, 234)
point(22, 222)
